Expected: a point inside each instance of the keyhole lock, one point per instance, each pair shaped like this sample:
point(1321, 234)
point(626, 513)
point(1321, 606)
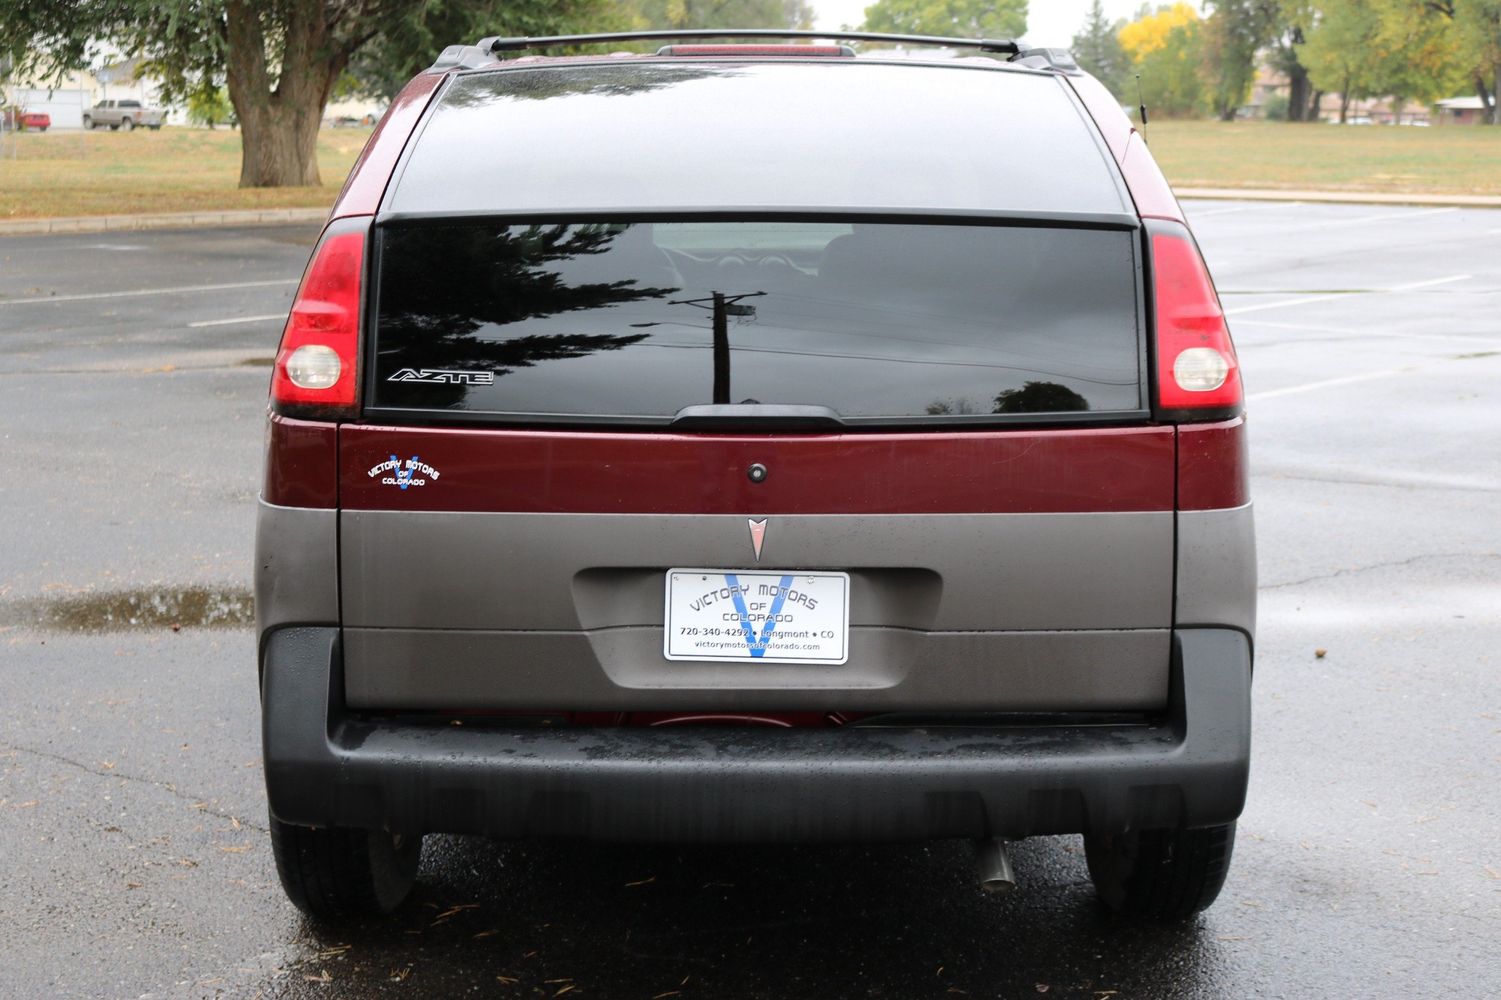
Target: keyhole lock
point(756, 473)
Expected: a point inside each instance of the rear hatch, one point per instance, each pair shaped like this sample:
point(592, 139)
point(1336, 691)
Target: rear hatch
point(752, 387)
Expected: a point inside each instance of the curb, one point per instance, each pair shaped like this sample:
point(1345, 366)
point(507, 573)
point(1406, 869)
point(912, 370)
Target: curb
point(1341, 197)
point(160, 220)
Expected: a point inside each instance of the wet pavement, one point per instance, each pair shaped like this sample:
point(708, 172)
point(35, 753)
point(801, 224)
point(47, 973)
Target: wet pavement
point(132, 815)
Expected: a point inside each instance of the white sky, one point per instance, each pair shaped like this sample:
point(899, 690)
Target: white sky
point(1049, 22)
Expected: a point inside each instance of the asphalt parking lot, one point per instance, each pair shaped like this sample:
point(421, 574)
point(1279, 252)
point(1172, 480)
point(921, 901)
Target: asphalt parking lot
point(133, 370)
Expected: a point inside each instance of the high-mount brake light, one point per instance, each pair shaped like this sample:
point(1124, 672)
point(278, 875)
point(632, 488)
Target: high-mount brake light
point(315, 374)
point(1198, 376)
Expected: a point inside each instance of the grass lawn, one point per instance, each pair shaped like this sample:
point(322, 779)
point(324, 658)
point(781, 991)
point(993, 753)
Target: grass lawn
point(182, 169)
point(1450, 159)
point(56, 173)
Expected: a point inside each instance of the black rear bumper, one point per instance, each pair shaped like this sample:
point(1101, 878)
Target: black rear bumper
point(326, 768)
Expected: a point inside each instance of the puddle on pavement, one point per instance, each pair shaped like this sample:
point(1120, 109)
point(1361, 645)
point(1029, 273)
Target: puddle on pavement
point(257, 362)
point(111, 611)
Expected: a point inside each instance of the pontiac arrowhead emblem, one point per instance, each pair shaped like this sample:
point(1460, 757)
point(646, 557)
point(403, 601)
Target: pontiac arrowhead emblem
point(758, 535)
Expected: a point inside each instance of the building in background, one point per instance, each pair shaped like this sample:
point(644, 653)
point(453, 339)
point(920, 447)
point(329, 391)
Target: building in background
point(1460, 111)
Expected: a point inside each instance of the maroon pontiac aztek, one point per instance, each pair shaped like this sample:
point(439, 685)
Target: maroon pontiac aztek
point(756, 442)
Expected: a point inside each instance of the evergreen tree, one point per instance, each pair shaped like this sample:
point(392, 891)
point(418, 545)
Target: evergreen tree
point(1098, 50)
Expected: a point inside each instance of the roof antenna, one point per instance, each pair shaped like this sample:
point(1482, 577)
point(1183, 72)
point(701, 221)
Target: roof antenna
point(1141, 103)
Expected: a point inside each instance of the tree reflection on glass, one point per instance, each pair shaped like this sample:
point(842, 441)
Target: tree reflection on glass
point(442, 286)
point(1040, 397)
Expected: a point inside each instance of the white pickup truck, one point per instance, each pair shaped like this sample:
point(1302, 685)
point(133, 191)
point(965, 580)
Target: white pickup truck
point(123, 114)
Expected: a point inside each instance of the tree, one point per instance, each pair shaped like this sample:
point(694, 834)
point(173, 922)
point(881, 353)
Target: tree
point(381, 68)
point(1288, 34)
point(960, 18)
point(280, 59)
point(208, 107)
point(1343, 52)
point(1166, 50)
point(1476, 36)
point(722, 13)
point(1097, 48)
point(1234, 32)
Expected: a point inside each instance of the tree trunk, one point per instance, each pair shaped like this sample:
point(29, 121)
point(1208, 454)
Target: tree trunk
point(279, 119)
point(1297, 93)
point(1315, 107)
point(1495, 98)
point(1344, 102)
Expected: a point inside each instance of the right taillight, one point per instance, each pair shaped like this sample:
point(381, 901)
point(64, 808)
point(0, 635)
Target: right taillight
point(1198, 376)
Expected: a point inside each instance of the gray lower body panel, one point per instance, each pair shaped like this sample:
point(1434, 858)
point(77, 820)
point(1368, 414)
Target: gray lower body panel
point(326, 766)
point(296, 566)
point(888, 670)
point(946, 611)
point(1217, 568)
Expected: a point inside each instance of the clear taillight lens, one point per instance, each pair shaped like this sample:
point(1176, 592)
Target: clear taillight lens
point(314, 366)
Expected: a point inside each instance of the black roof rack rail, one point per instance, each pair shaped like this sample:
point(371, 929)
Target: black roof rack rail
point(497, 44)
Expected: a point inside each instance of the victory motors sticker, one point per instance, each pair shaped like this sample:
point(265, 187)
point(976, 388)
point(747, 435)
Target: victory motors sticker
point(402, 475)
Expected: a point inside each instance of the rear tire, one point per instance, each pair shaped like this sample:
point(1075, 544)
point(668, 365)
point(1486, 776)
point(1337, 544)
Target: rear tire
point(88, 123)
point(127, 124)
point(1160, 874)
point(338, 873)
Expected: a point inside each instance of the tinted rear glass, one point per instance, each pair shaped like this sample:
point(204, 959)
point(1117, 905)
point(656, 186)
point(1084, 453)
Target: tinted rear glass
point(638, 320)
point(821, 136)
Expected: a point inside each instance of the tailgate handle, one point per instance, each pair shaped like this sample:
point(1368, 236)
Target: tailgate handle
point(736, 416)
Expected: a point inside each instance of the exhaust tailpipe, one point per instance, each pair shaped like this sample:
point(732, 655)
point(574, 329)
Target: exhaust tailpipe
point(993, 863)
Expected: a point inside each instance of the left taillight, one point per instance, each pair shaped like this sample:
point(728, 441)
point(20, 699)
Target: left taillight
point(316, 374)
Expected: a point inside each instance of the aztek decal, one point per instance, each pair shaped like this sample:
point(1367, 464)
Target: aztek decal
point(412, 472)
point(443, 376)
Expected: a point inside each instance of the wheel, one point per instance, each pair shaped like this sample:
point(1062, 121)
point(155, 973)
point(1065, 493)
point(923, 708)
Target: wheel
point(1160, 874)
point(88, 123)
point(337, 873)
point(42, 128)
point(114, 128)
point(156, 128)
point(127, 124)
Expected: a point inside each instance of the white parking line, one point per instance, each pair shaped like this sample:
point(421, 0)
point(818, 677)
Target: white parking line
point(1349, 332)
point(1261, 205)
point(1221, 211)
point(1363, 219)
point(239, 319)
point(179, 290)
point(1309, 300)
point(1293, 390)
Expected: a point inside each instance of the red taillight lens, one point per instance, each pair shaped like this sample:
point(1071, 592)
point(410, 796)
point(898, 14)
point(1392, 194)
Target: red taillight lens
point(315, 371)
point(1198, 376)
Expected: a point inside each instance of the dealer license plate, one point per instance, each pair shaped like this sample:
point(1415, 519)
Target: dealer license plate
point(714, 614)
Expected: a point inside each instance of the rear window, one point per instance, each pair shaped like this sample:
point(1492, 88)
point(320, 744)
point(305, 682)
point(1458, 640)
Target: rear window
point(882, 322)
point(836, 135)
